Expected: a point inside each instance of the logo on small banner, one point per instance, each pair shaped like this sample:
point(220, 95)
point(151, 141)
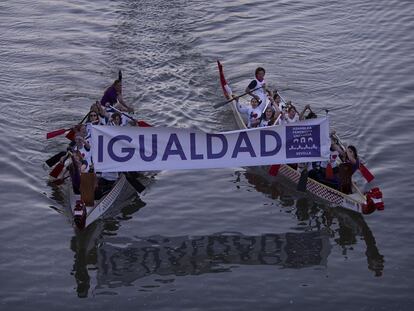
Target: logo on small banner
point(303, 141)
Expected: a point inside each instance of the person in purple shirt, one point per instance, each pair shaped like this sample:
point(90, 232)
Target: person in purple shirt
point(113, 97)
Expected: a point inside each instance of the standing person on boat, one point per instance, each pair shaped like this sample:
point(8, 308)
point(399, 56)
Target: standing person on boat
point(113, 96)
point(351, 156)
point(351, 162)
point(257, 87)
point(78, 165)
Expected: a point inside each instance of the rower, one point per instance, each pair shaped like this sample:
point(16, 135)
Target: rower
point(271, 115)
point(257, 87)
point(113, 96)
point(292, 115)
point(253, 112)
point(278, 101)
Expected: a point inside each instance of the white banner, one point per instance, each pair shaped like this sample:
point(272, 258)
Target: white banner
point(121, 149)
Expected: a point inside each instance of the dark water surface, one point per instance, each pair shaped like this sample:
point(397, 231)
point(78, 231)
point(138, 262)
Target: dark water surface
point(228, 239)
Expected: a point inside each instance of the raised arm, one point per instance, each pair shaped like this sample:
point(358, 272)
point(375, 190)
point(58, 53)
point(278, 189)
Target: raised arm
point(302, 114)
point(122, 105)
point(239, 107)
point(252, 85)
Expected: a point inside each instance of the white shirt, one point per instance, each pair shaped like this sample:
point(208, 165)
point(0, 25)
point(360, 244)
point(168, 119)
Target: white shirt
point(253, 114)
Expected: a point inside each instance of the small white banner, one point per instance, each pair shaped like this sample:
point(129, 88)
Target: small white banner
point(121, 149)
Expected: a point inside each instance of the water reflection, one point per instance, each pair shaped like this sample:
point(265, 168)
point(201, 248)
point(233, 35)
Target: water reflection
point(120, 265)
point(119, 261)
point(85, 245)
point(344, 226)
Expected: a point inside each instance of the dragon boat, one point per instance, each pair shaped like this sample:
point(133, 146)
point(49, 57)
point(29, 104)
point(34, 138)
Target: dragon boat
point(357, 201)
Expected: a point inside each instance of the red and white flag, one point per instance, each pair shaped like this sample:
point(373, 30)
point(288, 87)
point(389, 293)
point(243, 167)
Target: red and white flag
point(226, 88)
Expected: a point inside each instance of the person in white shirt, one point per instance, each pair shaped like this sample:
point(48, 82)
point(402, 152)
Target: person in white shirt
point(257, 87)
point(253, 112)
point(292, 115)
point(271, 115)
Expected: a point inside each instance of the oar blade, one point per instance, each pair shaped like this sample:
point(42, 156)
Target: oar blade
point(141, 123)
point(55, 159)
point(303, 180)
point(55, 133)
point(60, 181)
point(57, 170)
point(71, 135)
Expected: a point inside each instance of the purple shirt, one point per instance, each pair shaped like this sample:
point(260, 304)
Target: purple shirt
point(110, 96)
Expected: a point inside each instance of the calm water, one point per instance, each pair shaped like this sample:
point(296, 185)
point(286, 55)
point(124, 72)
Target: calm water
point(229, 239)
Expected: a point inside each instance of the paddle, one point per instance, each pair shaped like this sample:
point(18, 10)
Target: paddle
point(274, 169)
point(62, 131)
point(56, 133)
point(59, 167)
point(71, 134)
point(57, 170)
point(230, 100)
point(362, 168)
point(303, 180)
point(60, 181)
point(55, 159)
point(140, 123)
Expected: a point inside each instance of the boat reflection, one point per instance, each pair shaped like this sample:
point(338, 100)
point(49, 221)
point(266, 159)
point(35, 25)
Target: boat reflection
point(119, 265)
point(344, 226)
point(84, 244)
point(119, 262)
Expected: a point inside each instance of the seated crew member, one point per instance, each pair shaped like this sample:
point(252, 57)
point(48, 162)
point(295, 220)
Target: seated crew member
point(268, 118)
point(292, 114)
point(78, 166)
point(116, 119)
point(253, 112)
point(270, 115)
point(278, 101)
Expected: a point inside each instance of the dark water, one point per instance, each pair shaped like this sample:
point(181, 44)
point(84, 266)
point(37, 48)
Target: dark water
point(228, 239)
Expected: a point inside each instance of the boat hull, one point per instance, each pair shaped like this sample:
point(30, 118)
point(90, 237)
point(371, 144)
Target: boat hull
point(119, 194)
